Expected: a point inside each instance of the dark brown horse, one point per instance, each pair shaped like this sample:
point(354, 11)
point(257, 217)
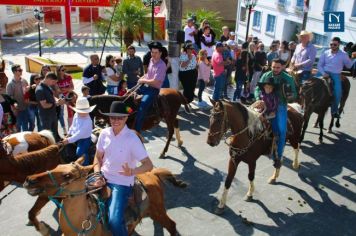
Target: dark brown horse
point(79, 207)
point(249, 140)
point(3, 77)
point(169, 102)
point(345, 83)
point(17, 168)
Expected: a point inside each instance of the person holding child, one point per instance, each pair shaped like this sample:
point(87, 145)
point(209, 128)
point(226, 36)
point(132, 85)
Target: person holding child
point(111, 77)
point(269, 97)
point(204, 67)
point(80, 130)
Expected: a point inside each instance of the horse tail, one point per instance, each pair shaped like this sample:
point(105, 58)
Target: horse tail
point(165, 175)
point(184, 101)
point(48, 134)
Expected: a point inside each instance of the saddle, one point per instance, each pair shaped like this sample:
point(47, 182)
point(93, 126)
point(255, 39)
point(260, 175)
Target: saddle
point(160, 107)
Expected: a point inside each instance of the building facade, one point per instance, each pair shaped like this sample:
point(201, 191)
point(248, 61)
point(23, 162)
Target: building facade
point(282, 20)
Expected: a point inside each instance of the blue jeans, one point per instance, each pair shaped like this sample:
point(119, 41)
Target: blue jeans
point(279, 127)
point(337, 91)
point(165, 82)
point(201, 89)
point(304, 76)
point(83, 149)
point(238, 90)
point(219, 86)
point(116, 208)
point(112, 89)
point(149, 94)
point(34, 116)
point(131, 84)
point(22, 121)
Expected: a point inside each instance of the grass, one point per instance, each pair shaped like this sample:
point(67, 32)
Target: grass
point(76, 75)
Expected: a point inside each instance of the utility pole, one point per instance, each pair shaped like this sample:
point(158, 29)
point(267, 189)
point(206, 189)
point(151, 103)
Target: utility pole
point(305, 14)
point(174, 24)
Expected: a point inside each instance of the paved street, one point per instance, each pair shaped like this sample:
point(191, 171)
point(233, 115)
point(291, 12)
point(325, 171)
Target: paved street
point(319, 199)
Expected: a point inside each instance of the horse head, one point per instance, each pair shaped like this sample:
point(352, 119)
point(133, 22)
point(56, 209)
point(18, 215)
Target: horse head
point(217, 123)
point(59, 182)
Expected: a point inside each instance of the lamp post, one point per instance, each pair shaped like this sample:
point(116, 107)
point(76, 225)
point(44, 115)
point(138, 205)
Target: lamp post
point(152, 4)
point(39, 16)
point(249, 5)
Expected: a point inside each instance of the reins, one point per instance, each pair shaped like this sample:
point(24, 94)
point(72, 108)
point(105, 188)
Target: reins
point(131, 92)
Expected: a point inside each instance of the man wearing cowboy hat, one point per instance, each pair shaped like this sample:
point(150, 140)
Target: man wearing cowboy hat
point(304, 55)
point(80, 130)
point(151, 83)
point(118, 151)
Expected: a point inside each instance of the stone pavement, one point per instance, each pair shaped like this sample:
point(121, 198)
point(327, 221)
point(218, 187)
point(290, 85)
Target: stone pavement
point(319, 199)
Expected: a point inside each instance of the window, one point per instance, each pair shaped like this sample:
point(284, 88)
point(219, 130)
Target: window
point(243, 13)
point(282, 2)
point(271, 23)
point(15, 10)
point(257, 19)
point(329, 5)
point(319, 39)
point(353, 13)
point(300, 3)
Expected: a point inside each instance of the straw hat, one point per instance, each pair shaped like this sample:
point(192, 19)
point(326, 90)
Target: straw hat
point(82, 106)
point(305, 33)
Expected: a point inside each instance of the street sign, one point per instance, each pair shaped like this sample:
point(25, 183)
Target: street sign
point(334, 21)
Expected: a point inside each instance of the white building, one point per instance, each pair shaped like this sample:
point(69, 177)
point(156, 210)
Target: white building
point(282, 19)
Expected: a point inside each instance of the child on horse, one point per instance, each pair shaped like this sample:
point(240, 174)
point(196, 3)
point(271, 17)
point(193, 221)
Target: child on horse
point(269, 97)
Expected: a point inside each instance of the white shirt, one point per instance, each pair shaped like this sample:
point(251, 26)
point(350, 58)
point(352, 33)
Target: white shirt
point(80, 129)
point(109, 81)
point(187, 31)
point(209, 49)
point(119, 149)
point(191, 66)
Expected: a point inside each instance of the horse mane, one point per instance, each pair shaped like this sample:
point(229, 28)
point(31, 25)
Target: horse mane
point(36, 161)
point(250, 117)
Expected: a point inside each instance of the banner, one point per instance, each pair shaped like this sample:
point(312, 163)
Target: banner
point(74, 3)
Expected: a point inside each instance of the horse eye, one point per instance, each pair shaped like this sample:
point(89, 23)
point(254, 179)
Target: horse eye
point(67, 176)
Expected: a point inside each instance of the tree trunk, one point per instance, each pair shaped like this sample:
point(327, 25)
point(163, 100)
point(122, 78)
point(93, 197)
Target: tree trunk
point(174, 24)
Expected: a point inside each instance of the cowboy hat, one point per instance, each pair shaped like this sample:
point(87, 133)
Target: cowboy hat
point(82, 106)
point(304, 32)
point(119, 109)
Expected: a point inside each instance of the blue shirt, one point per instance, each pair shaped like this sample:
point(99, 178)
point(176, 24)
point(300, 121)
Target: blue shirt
point(333, 62)
point(304, 56)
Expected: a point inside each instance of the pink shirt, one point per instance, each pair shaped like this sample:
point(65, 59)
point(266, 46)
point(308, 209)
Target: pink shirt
point(156, 71)
point(119, 149)
point(203, 71)
point(216, 61)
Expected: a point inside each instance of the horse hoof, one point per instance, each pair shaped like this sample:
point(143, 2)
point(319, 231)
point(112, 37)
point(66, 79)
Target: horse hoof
point(29, 223)
point(219, 211)
point(337, 125)
point(295, 166)
point(315, 126)
point(320, 141)
point(330, 131)
point(248, 198)
point(162, 156)
point(272, 181)
point(180, 143)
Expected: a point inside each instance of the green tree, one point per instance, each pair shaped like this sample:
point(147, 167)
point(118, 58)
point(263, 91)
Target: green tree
point(214, 18)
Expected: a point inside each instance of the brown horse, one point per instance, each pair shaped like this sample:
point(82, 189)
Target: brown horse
point(69, 180)
point(345, 83)
point(249, 140)
point(17, 168)
point(3, 77)
point(24, 142)
point(169, 102)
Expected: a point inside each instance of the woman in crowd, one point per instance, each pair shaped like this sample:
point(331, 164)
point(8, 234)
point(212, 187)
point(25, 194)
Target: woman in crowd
point(284, 53)
point(35, 79)
point(111, 76)
point(188, 71)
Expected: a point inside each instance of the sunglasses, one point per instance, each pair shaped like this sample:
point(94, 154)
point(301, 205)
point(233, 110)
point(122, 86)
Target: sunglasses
point(117, 117)
point(334, 44)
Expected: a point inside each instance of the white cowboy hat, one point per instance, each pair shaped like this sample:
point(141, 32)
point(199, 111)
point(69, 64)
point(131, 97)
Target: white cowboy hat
point(304, 32)
point(82, 106)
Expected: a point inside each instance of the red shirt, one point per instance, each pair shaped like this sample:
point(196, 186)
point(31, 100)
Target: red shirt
point(65, 83)
point(217, 60)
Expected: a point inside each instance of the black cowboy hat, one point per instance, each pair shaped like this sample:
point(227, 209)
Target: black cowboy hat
point(119, 109)
point(268, 80)
point(188, 46)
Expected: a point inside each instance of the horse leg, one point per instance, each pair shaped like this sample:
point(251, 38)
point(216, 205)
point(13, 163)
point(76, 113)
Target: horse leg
point(160, 216)
point(251, 177)
point(321, 124)
point(32, 215)
point(177, 132)
point(331, 125)
point(295, 164)
point(305, 125)
point(277, 165)
point(230, 176)
point(169, 138)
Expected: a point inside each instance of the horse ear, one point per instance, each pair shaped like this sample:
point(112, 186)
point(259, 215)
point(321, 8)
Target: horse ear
point(212, 101)
point(88, 168)
point(80, 160)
